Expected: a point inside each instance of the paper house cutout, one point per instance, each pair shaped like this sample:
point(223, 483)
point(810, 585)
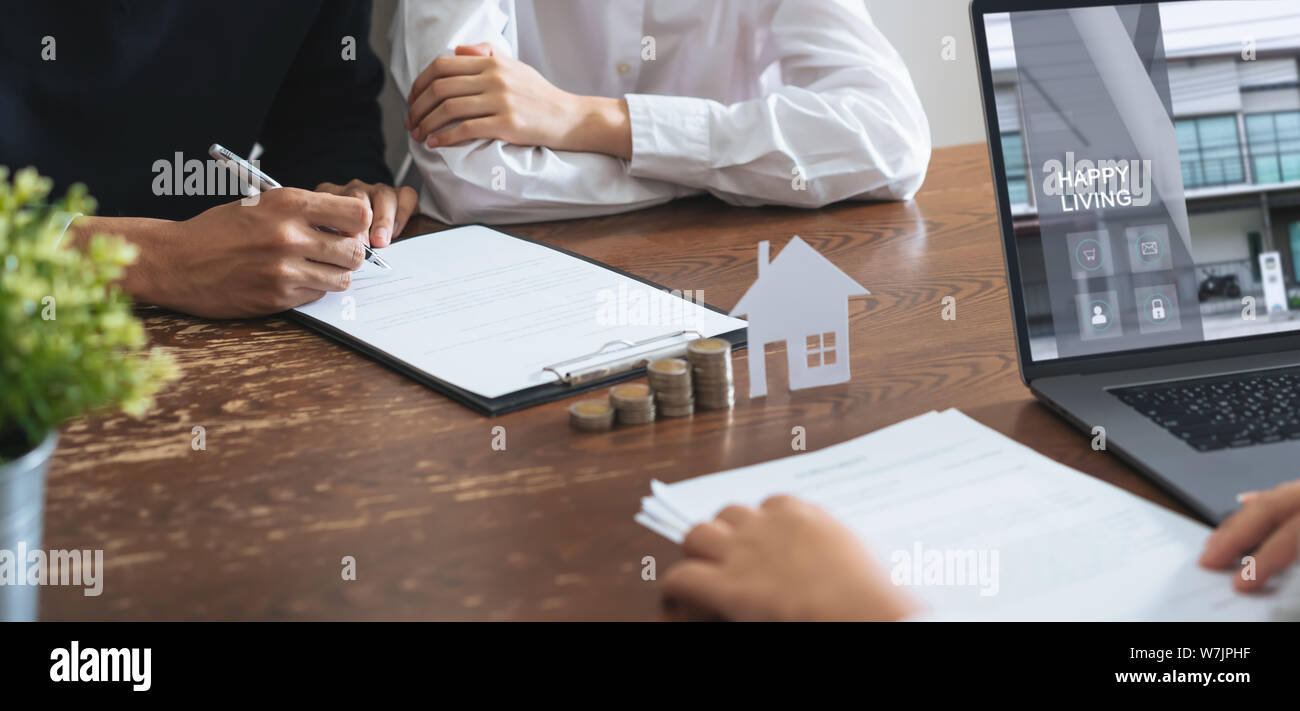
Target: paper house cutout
point(802, 299)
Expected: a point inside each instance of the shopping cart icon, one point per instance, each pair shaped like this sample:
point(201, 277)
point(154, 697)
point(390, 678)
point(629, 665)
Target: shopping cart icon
point(1090, 254)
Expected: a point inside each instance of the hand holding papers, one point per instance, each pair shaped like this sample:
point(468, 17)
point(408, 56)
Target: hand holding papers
point(978, 526)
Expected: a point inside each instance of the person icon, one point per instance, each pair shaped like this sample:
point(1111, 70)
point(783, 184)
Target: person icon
point(1098, 318)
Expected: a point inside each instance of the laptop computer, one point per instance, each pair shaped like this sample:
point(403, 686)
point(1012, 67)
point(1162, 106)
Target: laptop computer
point(1146, 164)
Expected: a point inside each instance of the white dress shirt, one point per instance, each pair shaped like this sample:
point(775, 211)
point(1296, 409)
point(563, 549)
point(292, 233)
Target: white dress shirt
point(791, 102)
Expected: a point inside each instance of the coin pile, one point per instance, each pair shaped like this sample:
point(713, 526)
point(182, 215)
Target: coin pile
point(710, 360)
point(591, 416)
point(670, 378)
point(634, 403)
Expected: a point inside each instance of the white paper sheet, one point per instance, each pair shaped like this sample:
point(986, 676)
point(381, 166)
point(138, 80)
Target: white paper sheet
point(487, 312)
point(1069, 546)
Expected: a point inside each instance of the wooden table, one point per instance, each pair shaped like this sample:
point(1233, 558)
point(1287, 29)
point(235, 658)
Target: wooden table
point(314, 453)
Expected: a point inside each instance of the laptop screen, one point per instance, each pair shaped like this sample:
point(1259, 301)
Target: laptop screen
point(1152, 163)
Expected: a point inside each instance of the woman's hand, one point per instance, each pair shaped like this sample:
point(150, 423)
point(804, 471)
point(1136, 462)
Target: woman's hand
point(787, 561)
point(1267, 524)
point(502, 98)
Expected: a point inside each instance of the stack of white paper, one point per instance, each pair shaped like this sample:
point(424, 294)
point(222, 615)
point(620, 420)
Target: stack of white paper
point(978, 526)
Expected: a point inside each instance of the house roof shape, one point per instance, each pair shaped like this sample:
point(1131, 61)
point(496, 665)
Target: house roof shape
point(796, 269)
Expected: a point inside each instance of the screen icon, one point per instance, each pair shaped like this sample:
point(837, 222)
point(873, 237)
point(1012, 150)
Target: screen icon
point(1100, 318)
point(1090, 255)
point(1148, 248)
point(1097, 315)
point(1157, 308)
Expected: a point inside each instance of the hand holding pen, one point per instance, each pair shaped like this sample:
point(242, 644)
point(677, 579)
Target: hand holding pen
point(239, 260)
point(384, 202)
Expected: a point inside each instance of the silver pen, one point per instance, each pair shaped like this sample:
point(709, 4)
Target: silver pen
point(243, 169)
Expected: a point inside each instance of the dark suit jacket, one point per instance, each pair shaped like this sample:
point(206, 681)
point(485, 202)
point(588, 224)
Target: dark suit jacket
point(106, 92)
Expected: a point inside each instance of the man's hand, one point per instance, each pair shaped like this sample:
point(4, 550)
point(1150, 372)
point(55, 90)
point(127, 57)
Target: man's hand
point(390, 207)
point(503, 98)
point(1267, 524)
point(238, 260)
point(787, 561)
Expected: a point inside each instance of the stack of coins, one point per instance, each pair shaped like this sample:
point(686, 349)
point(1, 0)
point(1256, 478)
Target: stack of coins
point(670, 378)
point(591, 416)
point(710, 360)
point(634, 402)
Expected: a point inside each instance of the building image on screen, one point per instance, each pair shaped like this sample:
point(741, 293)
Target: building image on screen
point(1152, 157)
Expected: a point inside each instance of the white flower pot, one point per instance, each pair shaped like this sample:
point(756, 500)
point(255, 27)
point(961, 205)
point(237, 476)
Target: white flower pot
point(22, 507)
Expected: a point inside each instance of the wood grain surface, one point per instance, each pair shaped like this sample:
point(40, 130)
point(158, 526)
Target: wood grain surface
point(314, 453)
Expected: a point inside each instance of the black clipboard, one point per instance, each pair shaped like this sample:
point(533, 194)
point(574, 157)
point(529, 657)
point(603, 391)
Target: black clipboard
point(510, 402)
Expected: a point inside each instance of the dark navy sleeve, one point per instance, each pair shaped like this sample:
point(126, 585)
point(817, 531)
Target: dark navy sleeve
point(324, 124)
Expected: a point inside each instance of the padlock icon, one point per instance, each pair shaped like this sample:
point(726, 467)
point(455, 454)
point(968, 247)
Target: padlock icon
point(1157, 310)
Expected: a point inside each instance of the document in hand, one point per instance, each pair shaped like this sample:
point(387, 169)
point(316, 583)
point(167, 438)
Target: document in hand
point(479, 315)
point(980, 527)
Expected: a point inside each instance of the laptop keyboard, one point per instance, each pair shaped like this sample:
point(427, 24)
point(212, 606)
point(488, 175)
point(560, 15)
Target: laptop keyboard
point(1223, 411)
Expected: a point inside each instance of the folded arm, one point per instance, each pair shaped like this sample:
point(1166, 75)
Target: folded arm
point(495, 141)
point(488, 178)
point(846, 122)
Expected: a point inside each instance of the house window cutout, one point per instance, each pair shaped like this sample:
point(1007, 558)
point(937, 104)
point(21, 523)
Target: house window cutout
point(821, 349)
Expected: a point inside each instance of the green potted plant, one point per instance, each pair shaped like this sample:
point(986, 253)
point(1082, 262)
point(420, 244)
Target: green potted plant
point(69, 345)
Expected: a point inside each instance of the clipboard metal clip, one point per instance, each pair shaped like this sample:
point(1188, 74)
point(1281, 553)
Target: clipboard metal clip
point(618, 364)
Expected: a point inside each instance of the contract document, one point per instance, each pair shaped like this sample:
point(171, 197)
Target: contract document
point(979, 527)
point(488, 312)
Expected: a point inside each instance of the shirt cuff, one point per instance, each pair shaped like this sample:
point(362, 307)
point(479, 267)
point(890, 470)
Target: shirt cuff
point(66, 218)
point(670, 137)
